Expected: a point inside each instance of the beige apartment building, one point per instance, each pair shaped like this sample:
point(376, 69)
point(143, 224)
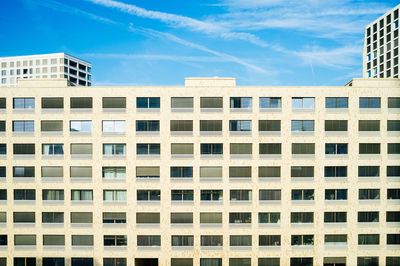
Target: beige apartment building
point(208, 174)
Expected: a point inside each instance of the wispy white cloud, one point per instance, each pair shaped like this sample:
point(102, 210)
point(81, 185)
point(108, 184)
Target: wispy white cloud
point(154, 57)
point(199, 47)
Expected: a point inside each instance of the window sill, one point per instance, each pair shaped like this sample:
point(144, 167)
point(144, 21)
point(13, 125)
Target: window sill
point(275, 202)
point(51, 133)
point(271, 110)
point(337, 110)
point(370, 110)
point(82, 202)
point(212, 110)
point(81, 156)
point(303, 110)
point(148, 156)
point(23, 111)
point(181, 133)
point(114, 110)
point(210, 133)
point(336, 133)
point(182, 156)
point(270, 133)
point(80, 134)
point(24, 157)
point(303, 202)
point(271, 156)
point(211, 156)
point(148, 110)
point(182, 110)
point(53, 202)
point(24, 179)
point(114, 157)
point(241, 110)
point(81, 110)
point(23, 134)
point(52, 110)
point(240, 133)
point(303, 133)
point(147, 133)
point(113, 134)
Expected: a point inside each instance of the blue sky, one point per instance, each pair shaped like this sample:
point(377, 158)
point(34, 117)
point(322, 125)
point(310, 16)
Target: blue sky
point(159, 42)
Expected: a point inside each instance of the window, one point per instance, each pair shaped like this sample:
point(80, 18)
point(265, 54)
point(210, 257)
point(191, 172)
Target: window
point(335, 171)
point(368, 194)
point(148, 149)
point(182, 241)
point(240, 195)
point(53, 240)
point(335, 194)
point(240, 172)
point(336, 102)
point(302, 217)
point(148, 195)
point(335, 239)
point(270, 194)
point(52, 217)
point(24, 149)
point(393, 148)
point(270, 148)
point(181, 172)
point(182, 149)
point(147, 172)
point(114, 195)
point(269, 217)
point(148, 102)
point(210, 218)
point(335, 125)
point(270, 102)
point(370, 102)
point(82, 217)
point(112, 149)
point(114, 102)
point(181, 195)
point(51, 126)
point(302, 194)
point(24, 217)
point(335, 217)
point(269, 171)
point(53, 262)
point(210, 171)
point(239, 261)
point(25, 240)
point(211, 148)
point(368, 171)
point(211, 102)
point(80, 126)
point(240, 103)
point(3, 126)
point(24, 194)
point(3, 103)
point(269, 125)
point(52, 149)
point(81, 195)
point(52, 194)
point(368, 239)
point(114, 172)
point(369, 148)
point(368, 217)
point(302, 171)
point(210, 125)
point(304, 103)
point(82, 240)
point(114, 217)
point(181, 125)
point(24, 103)
point(3, 149)
point(336, 148)
point(394, 102)
point(393, 125)
point(181, 262)
point(24, 261)
point(181, 218)
point(367, 261)
point(148, 240)
point(82, 262)
point(240, 125)
point(81, 149)
point(392, 261)
point(113, 126)
point(147, 125)
point(211, 195)
point(114, 262)
point(240, 148)
point(303, 148)
point(52, 103)
point(393, 194)
point(393, 171)
point(240, 240)
point(3, 194)
point(302, 240)
point(115, 240)
point(393, 239)
point(302, 125)
point(368, 125)
point(81, 103)
point(269, 240)
point(147, 217)
point(240, 217)
point(81, 171)
point(269, 262)
point(21, 126)
point(24, 171)
point(182, 102)
point(211, 241)
point(2, 171)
